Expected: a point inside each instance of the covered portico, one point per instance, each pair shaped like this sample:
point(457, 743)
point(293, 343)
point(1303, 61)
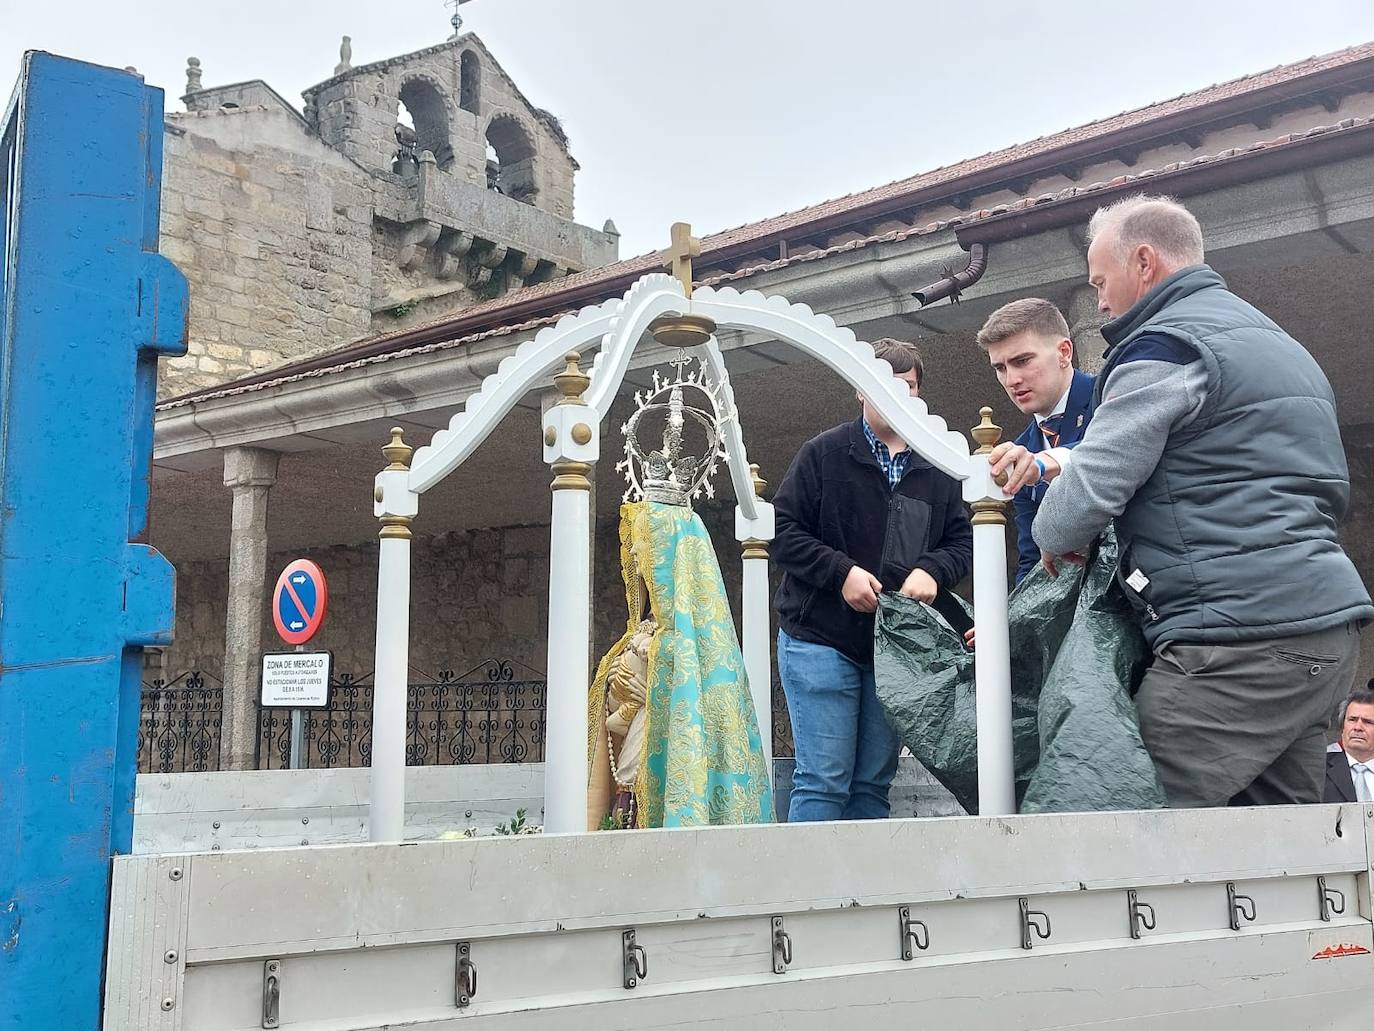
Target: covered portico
point(253, 474)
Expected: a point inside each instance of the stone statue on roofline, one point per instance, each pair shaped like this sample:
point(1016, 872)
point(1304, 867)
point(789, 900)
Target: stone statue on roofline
point(674, 739)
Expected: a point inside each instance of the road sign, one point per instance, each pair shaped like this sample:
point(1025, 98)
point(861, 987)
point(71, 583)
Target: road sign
point(296, 680)
point(299, 601)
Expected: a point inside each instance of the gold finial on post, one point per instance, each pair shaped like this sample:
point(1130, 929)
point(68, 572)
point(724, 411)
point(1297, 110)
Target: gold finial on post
point(572, 382)
point(753, 547)
point(987, 433)
point(678, 257)
point(760, 484)
point(398, 452)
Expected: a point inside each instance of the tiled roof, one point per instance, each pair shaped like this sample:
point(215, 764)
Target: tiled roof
point(1141, 178)
point(651, 263)
point(1045, 145)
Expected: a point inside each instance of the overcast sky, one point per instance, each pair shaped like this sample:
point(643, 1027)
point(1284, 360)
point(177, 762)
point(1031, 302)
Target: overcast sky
point(721, 113)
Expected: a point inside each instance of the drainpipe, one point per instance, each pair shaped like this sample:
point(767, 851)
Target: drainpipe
point(956, 283)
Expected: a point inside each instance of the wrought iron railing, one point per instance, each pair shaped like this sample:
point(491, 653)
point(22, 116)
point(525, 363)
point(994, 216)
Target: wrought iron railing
point(783, 747)
point(485, 715)
point(339, 736)
point(179, 724)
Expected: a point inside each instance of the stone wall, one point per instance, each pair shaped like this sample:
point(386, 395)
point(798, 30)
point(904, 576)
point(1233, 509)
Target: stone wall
point(272, 230)
point(405, 294)
point(476, 595)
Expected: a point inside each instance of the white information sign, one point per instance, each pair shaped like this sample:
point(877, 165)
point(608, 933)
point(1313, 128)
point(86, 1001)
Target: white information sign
point(296, 680)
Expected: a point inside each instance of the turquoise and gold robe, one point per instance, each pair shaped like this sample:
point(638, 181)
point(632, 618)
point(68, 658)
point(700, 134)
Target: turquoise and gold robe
point(703, 759)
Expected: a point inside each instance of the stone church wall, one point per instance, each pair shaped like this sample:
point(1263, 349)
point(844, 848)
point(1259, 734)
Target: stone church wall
point(273, 232)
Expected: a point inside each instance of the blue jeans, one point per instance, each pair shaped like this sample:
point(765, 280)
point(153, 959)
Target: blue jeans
point(846, 751)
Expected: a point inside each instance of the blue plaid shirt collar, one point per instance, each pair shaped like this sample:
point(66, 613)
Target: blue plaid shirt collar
point(894, 466)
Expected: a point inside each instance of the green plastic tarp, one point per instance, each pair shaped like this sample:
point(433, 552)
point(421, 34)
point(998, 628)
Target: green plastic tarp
point(1077, 656)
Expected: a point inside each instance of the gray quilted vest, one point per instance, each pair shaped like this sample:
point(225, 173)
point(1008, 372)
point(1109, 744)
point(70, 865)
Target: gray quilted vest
point(1236, 528)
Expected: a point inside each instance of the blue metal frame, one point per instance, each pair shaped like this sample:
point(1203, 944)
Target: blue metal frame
point(88, 306)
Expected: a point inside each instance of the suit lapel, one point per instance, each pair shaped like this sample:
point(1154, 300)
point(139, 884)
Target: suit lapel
point(1338, 773)
point(1076, 409)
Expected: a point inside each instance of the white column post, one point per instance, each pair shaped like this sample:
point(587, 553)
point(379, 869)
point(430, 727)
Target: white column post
point(992, 654)
point(756, 633)
point(249, 473)
point(571, 446)
point(396, 506)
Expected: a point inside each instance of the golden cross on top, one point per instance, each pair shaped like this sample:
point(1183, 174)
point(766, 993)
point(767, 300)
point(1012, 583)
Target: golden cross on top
point(678, 257)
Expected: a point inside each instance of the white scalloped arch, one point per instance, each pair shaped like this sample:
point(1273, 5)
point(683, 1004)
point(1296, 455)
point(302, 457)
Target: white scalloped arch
point(838, 347)
point(527, 366)
point(617, 326)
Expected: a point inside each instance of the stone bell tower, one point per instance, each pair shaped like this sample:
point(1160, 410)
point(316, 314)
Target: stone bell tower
point(481, 180)
point(406, 189)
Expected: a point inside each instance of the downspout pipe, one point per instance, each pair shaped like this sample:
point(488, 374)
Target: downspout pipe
point(956, 283)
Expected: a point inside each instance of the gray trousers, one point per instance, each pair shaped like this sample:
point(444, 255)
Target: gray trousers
point(1245, 723)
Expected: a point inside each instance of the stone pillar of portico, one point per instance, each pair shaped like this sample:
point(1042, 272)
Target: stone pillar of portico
point(249, 473)
point(1085, 328)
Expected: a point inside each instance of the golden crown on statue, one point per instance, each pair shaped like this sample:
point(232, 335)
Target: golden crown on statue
point(670, 474)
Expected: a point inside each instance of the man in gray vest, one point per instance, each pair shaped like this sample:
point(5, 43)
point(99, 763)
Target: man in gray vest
point(1215, 448)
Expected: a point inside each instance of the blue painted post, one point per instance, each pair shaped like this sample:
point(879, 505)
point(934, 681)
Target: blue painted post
point(88, 305)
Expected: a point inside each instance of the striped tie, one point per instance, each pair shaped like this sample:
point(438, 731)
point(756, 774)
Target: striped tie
point(1050, 429)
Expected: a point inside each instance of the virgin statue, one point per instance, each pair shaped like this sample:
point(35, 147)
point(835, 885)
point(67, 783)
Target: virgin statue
point(673, 736)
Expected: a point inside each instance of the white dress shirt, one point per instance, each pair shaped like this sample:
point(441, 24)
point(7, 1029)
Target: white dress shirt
point(1363, 776)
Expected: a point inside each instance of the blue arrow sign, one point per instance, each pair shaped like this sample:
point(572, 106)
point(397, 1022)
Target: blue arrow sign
point(299, 602)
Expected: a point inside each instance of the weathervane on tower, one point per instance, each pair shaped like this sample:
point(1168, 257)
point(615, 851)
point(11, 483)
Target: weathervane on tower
point(457, 20)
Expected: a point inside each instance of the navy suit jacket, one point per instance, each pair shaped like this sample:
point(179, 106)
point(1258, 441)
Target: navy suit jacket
point(1078, 412)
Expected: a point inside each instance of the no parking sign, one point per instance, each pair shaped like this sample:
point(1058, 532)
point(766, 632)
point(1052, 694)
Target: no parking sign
point(299, 601)
point(299, 679)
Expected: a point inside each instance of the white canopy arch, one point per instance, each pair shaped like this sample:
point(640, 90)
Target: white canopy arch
point(571, 445)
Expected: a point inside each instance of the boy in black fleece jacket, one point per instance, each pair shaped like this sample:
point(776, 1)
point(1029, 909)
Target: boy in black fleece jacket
point(858, 513)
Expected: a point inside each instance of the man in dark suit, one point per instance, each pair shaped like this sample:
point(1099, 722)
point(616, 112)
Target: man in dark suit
point(1350, 769)
point(1028, 345)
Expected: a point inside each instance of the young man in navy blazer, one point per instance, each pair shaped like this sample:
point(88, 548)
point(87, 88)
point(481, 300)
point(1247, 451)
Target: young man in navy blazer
point(1028, 344)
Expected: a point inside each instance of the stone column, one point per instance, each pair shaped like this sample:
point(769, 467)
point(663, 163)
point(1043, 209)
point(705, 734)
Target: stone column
point(1085, 328)
point(249, 473)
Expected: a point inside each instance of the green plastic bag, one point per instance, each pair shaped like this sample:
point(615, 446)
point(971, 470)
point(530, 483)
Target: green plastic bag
point(1077, 656)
